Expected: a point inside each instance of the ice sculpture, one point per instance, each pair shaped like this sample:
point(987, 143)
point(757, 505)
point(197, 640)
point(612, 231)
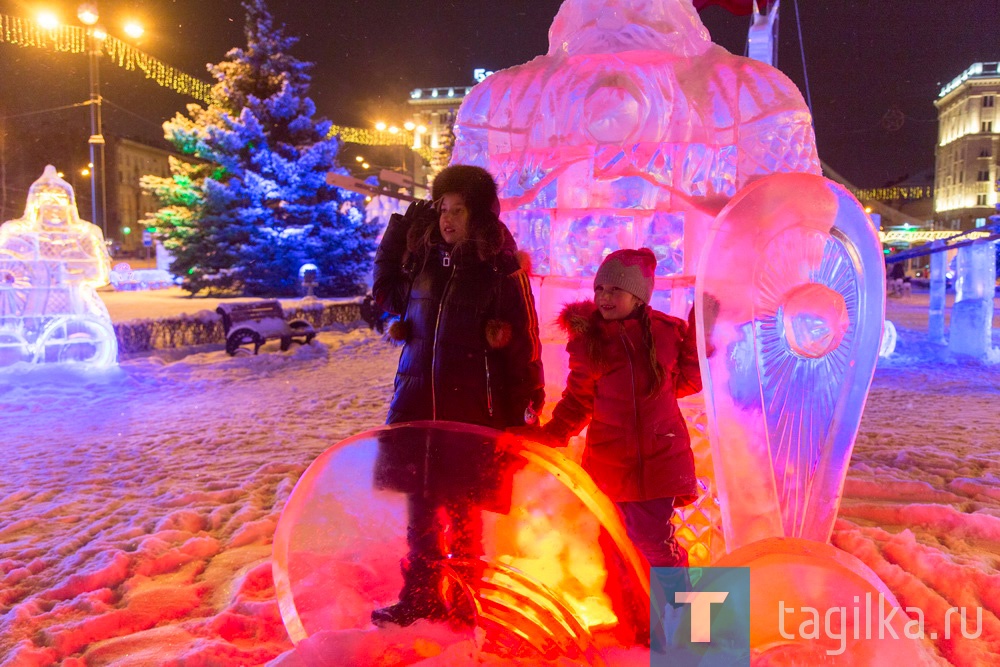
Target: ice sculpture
point(634, 130)
point(762, 37)
point(813, 604)
point(50, 263)
point(338, 544)
point(971, 331)
point(939, 285)
point(791, 291)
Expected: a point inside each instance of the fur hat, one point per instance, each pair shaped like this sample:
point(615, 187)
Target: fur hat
point(630, 270)
point(476, 186)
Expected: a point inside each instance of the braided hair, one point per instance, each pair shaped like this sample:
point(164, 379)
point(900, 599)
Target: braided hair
point(659, 374)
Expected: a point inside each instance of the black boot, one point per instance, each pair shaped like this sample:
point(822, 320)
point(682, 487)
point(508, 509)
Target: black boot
point(408, 612)
point(420, 597)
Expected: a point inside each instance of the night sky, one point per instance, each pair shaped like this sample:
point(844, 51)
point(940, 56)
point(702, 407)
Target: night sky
point(874, 68)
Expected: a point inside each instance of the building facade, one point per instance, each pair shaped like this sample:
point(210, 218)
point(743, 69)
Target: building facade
point(127, 203)
point(967, 148)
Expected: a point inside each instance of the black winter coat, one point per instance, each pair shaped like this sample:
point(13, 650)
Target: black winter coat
point(471, 351)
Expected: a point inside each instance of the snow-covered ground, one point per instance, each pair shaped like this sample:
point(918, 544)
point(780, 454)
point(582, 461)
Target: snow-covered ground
point(137, 507)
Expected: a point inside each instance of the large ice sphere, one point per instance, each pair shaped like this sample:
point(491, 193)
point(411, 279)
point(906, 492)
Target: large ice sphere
point(791, 296)
point(557, 575)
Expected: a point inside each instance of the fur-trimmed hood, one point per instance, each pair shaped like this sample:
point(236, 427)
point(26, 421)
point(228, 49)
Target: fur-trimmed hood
point(577, 319)
point(582, 318)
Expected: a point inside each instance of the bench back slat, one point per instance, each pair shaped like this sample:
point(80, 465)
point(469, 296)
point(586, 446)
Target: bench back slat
point(247, 312)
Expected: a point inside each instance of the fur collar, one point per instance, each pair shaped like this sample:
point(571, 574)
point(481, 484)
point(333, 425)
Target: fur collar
point(577, 319)
point(582, 318)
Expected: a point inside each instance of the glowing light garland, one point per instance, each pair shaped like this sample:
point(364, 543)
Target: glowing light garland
point(73, 39)
point(925, 235)
point(895, 192)
point(357, 135)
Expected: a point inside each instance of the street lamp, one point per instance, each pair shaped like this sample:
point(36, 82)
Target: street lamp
point(87, 13)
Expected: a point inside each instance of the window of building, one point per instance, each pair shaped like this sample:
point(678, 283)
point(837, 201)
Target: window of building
point(987, 126)
point(980, 200)
point(980, 222)
point(984, 175)
point(985, 153)
point(987, 100)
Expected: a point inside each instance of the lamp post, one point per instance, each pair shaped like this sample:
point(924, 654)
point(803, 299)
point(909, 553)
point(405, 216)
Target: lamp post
point(87, 13)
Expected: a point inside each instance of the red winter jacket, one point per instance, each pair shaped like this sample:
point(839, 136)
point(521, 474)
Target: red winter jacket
point(638, 447)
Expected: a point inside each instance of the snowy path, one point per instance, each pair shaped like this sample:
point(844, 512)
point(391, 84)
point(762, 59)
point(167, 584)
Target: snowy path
point(150, 498)
point(137, 509)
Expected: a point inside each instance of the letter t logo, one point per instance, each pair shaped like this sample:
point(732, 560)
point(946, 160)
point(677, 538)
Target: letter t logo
point(701, 611)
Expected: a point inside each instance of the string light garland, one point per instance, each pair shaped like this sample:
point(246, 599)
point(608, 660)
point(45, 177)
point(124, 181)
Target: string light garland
point(73, 39)
point(357, 135)
point(895, 192)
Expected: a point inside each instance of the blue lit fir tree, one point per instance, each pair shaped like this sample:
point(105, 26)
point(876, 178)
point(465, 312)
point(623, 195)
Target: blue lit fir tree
point(253, 205)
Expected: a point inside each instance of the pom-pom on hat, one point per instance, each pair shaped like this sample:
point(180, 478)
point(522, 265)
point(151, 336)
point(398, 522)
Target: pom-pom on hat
point(630, 270)
point(475, 184)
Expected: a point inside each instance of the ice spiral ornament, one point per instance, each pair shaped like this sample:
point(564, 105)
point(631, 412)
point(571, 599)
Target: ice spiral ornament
point(791, 291)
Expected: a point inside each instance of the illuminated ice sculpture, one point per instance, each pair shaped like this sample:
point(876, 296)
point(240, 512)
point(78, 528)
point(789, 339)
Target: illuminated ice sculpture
point(342, 534)
point(51, 261)
point(971, 331)
point(791, 290)
point(633, 130)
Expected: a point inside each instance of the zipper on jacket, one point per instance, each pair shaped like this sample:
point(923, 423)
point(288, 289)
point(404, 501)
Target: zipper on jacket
point(635, 410)
point(445, 261)
point(489, 391)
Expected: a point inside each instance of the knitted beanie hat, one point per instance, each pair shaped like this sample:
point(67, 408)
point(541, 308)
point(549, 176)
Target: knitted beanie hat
point(475, 184)
point(630, 270)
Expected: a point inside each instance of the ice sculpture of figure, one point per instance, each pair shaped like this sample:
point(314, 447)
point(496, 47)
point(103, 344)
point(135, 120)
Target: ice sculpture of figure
point(50, 263)
point(634, 130)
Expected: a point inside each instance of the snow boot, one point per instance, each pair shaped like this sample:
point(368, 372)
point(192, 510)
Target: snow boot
point(420, 597)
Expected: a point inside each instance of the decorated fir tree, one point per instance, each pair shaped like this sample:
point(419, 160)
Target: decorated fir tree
point(253, 205)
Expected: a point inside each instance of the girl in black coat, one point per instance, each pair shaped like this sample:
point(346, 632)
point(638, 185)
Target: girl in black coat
point(471, 354)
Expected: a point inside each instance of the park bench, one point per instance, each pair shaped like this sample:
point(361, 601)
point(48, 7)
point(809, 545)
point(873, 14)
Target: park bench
point(255, 322)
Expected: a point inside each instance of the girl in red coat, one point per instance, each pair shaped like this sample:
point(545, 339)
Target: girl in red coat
point(628, 365)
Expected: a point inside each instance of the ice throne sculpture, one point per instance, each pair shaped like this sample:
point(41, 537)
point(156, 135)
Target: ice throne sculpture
point(51, 261)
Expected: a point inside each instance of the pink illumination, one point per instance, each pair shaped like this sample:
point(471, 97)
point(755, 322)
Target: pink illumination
point(541, 587)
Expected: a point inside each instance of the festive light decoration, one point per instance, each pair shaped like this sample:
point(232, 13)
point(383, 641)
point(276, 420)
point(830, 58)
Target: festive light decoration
point(357, 135)
point(896, 192)
point(924, 235)
point(73, 39)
